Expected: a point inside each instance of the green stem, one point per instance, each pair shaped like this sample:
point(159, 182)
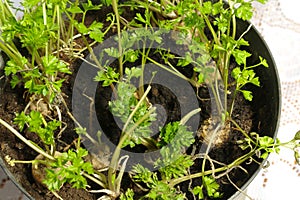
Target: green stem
point(102, 184)
point(10, 54)
point(45, 24)
point(116, 155)
point(242, 131)
point(136, 108)
point(189, 115)
point(173, 71)
point(27, 142)
point(115, 8)
point(237, 162)
point(212, 139)
point(94, 57)
point(232, 102)
point(57, 11)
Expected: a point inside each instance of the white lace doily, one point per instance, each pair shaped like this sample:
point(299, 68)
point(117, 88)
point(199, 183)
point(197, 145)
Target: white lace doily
point(279, 23)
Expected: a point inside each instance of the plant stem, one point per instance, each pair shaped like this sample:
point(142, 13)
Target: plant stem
point(174, 71)
point(237, 162)
point(115, 8)
point(136, 108)
point(189, 115)
point(27, 142)
point(10, 54)
point(116, 155)
point(242, 131)
point(45, 24)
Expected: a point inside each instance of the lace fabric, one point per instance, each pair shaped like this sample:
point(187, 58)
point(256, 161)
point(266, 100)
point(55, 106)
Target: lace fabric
point(279, 23)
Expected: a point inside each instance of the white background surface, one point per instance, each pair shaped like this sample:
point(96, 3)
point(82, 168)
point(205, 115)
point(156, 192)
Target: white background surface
point(279, 23)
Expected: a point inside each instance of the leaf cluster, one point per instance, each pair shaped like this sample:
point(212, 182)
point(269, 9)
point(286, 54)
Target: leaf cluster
point(173, 163)
point(158, 188)
point(68, 168)
point(38, 80)
point(39, 33)
point(262, 145)
point(246, 75)
point(195, 19)
point(211, 187)
point(124, 105)
point(174, 139)
point(95, 29)
point(37, 124)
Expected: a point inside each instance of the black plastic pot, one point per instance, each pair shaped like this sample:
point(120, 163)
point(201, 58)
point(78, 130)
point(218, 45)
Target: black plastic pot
point(267, 97)
point(266, 102)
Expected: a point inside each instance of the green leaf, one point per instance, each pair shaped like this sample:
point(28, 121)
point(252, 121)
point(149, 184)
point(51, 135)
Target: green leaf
point(95, 31)
point(266, 141)
point(242, 42)
point(185, 60)
point(131, 55)
point(140, 18)
point(144, 175)
point(222, 23)
point(29, 85)
point(68, 168)
point(21, 119)
point(201, 78)
point(89, 6)
point(262, 1)
point(244, 11)
point(57, 85)
point(240, 56)
point(297, 136)
point(125, 104)
point(211, 187)
point(12, 67)
point(162, 191)
point(30, 3)
point(217, 8)
point(263, 61)
point(247, 95)
point(264, 155)
point(297, 156)
point(35, 119)
point(206, 7)
point(80, 131)
point(128, 195)
point(236, 73)
point(108, 77)
point(82, 28)
point(173, 164)
point(106, 2)
point(198, 191)
point(255, 81)
point(97, 35)
point(133, 72)
point(14, 81)
point(74, 9)
point(52, 65)
point(112, 51)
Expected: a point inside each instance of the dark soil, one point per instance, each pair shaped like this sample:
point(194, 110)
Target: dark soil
point(14, 101)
